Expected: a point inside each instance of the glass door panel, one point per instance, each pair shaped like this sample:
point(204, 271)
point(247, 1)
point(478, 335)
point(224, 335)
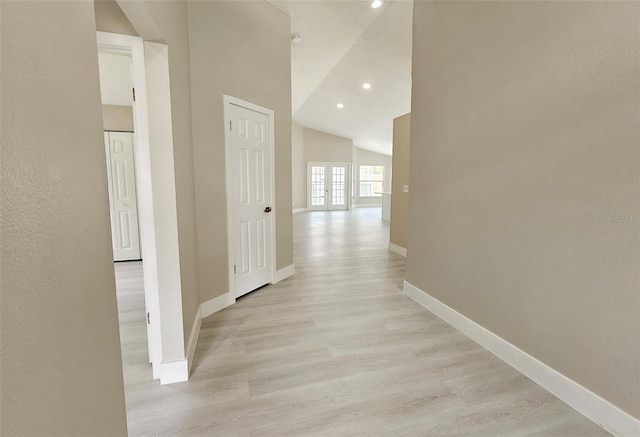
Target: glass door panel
point(318, 183)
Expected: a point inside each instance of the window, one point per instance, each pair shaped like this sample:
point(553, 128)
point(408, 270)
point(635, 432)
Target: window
point(371, 180)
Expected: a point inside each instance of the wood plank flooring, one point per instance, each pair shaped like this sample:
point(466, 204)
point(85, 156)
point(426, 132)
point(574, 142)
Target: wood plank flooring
point(336, 350)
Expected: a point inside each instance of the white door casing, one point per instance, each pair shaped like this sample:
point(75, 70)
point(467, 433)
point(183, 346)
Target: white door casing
point(122, 196)
point(328, 186)
point(134, 46)
point(250, 194)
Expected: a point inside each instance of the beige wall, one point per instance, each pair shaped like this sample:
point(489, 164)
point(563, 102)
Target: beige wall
point(298, 184)
point(365, 157)
point(109, 18)
point(323, 147)
point(117, 118)
point(169, 19)
point(525, 179)
point(400, 199)
point(241, 49)
point(61, 364)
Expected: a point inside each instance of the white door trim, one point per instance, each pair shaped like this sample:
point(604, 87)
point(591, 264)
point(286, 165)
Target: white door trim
point(135, 46)
point(227, 101)
point(157, 207)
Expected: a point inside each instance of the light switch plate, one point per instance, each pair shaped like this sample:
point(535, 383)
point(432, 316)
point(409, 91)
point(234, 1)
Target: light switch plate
point(405, 188)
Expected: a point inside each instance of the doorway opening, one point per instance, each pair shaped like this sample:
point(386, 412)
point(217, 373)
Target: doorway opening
point(122, 70)
point(116, 87)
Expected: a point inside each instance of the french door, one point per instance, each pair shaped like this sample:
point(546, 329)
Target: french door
point(328, 186)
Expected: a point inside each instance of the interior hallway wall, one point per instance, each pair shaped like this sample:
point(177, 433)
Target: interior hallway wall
point(298, 182)
point(242, 49)
point(61, 364)
point(524, 213)
point(400, 164)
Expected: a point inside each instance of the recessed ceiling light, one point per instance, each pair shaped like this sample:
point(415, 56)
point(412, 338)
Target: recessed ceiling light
point(296, 38)
point(376, 4)
point(340, 105)
point(366, 85)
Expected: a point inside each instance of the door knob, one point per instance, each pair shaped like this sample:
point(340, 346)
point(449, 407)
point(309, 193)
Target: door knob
point(267, 209)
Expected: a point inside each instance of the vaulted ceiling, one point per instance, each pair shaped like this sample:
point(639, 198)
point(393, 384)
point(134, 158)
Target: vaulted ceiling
point(345, 44)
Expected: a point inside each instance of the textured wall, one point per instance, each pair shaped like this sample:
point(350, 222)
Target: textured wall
point(61, 365)
point(524, 211)
point(242, 49)
point(400, 199)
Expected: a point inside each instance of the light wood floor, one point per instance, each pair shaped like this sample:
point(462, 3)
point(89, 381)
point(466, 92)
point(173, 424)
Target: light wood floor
point(336, 350)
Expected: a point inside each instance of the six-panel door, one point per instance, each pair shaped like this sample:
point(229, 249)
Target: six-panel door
point(122, 194)
point(251, 175)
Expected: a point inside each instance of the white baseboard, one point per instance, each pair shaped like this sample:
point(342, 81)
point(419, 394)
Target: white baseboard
point(299, 210)
point(397, 249)
point(193, 338)
point(368, 205)
point(216, 304)
point(599, 410)
point(156, 370)
point(174, 371)
point(283, 274)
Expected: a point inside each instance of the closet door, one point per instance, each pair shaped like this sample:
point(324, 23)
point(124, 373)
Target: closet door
point(122, 194)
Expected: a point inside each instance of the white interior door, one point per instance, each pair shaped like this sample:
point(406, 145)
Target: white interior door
point(327, 186)
point(252, 198)
point(122, 196)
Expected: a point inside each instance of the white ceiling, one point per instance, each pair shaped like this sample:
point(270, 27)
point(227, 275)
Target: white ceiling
point(344, 44)
point(115, 78)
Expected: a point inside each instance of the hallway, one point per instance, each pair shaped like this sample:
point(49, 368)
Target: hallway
point(335, 350)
